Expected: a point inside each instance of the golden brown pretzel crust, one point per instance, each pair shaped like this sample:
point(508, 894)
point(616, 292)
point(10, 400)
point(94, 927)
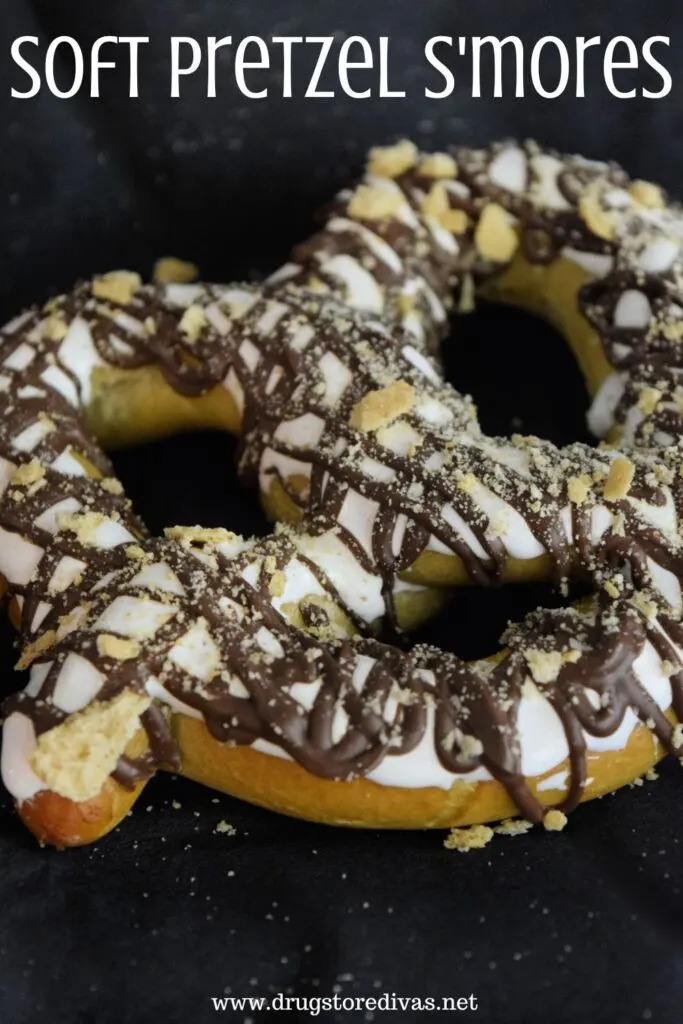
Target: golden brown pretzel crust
point(284, 786)
point(133, 405)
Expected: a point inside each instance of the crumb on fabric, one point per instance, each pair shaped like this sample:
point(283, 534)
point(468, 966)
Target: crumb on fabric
point(473, 837)
point(554, 820)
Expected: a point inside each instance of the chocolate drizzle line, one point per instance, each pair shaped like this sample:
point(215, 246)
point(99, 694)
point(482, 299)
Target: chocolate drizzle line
point(278, 348)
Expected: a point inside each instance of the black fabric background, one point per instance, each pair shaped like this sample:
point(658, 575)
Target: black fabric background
point(165, 913)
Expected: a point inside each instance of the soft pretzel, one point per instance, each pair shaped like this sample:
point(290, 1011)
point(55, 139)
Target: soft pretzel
point(240, 662)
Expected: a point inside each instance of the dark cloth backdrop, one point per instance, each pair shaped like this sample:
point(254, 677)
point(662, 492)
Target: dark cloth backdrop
point(165, 913)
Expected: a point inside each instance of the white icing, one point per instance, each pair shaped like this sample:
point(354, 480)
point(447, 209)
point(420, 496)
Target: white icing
point(68, 569)
point(196, 652)
point(336, 376)
point(30, 437)
point(303, 432)
point(361, 591)
point(558, 781)
point(362, 290)
point(546, 193)
point(508, 170)
point(596, 263)
point(20, 358)
point(633, 310)
point(600, 416)
point(78, 683)
point(18, 743)
point(19, 558)
point(659, 256)
point(60, 382)
point(250, 354)
point(379, 248)
point(158, 576)
point(132, 617)
point(48, 519)
point(79, 355)
point(66, 464)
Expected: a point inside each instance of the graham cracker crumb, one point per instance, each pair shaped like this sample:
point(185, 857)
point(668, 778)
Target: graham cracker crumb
point(135, 553)
point(225, 828)
point(648, 400)
point(619, 479)
point(117, 286)
point(35, 649)
point(554, 820)
point(75, 758)
point(578, 488)
point(111, 485)
point(200, 534)
point(83, 524)
point(392, 161)
point(276, 584)
point(465, 839)
point(192, 323)
point(495, 237)
point(370, 202)
point(55, 327)
point(169, 270)
point(110, 646)
point(436, 205)
point(467, 483)
point(379, 408)
point(438, 165)
point(647, 194)
point(513, 827)
point(30, 473)
point(544, 665)
point(645, 606)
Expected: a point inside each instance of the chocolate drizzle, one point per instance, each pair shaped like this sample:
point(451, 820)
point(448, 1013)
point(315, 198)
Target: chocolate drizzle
point(298, 358)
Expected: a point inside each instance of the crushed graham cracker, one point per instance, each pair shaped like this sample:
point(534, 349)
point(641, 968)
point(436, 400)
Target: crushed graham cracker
point(544, 665)
point(76, 758)
point(495, 237)
point(55, 327)
point(554, 820)
point(117, 286)
point(436, 205)
point(475, 837)
point(370, 202)
point(170, 270)
point(513, 827)
point(110, 646)
point(392, 161)
point(379, 408)
point(276, 584)
point(192, 323)
point(225, 828)
point(438, 165)
point(648, 400)
point(578, 488)
point(200, 534)
point(647, 194)
point(28, 474)
point(619, 479)
point(83, 524)
point(32, 651)
point(111, 485)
